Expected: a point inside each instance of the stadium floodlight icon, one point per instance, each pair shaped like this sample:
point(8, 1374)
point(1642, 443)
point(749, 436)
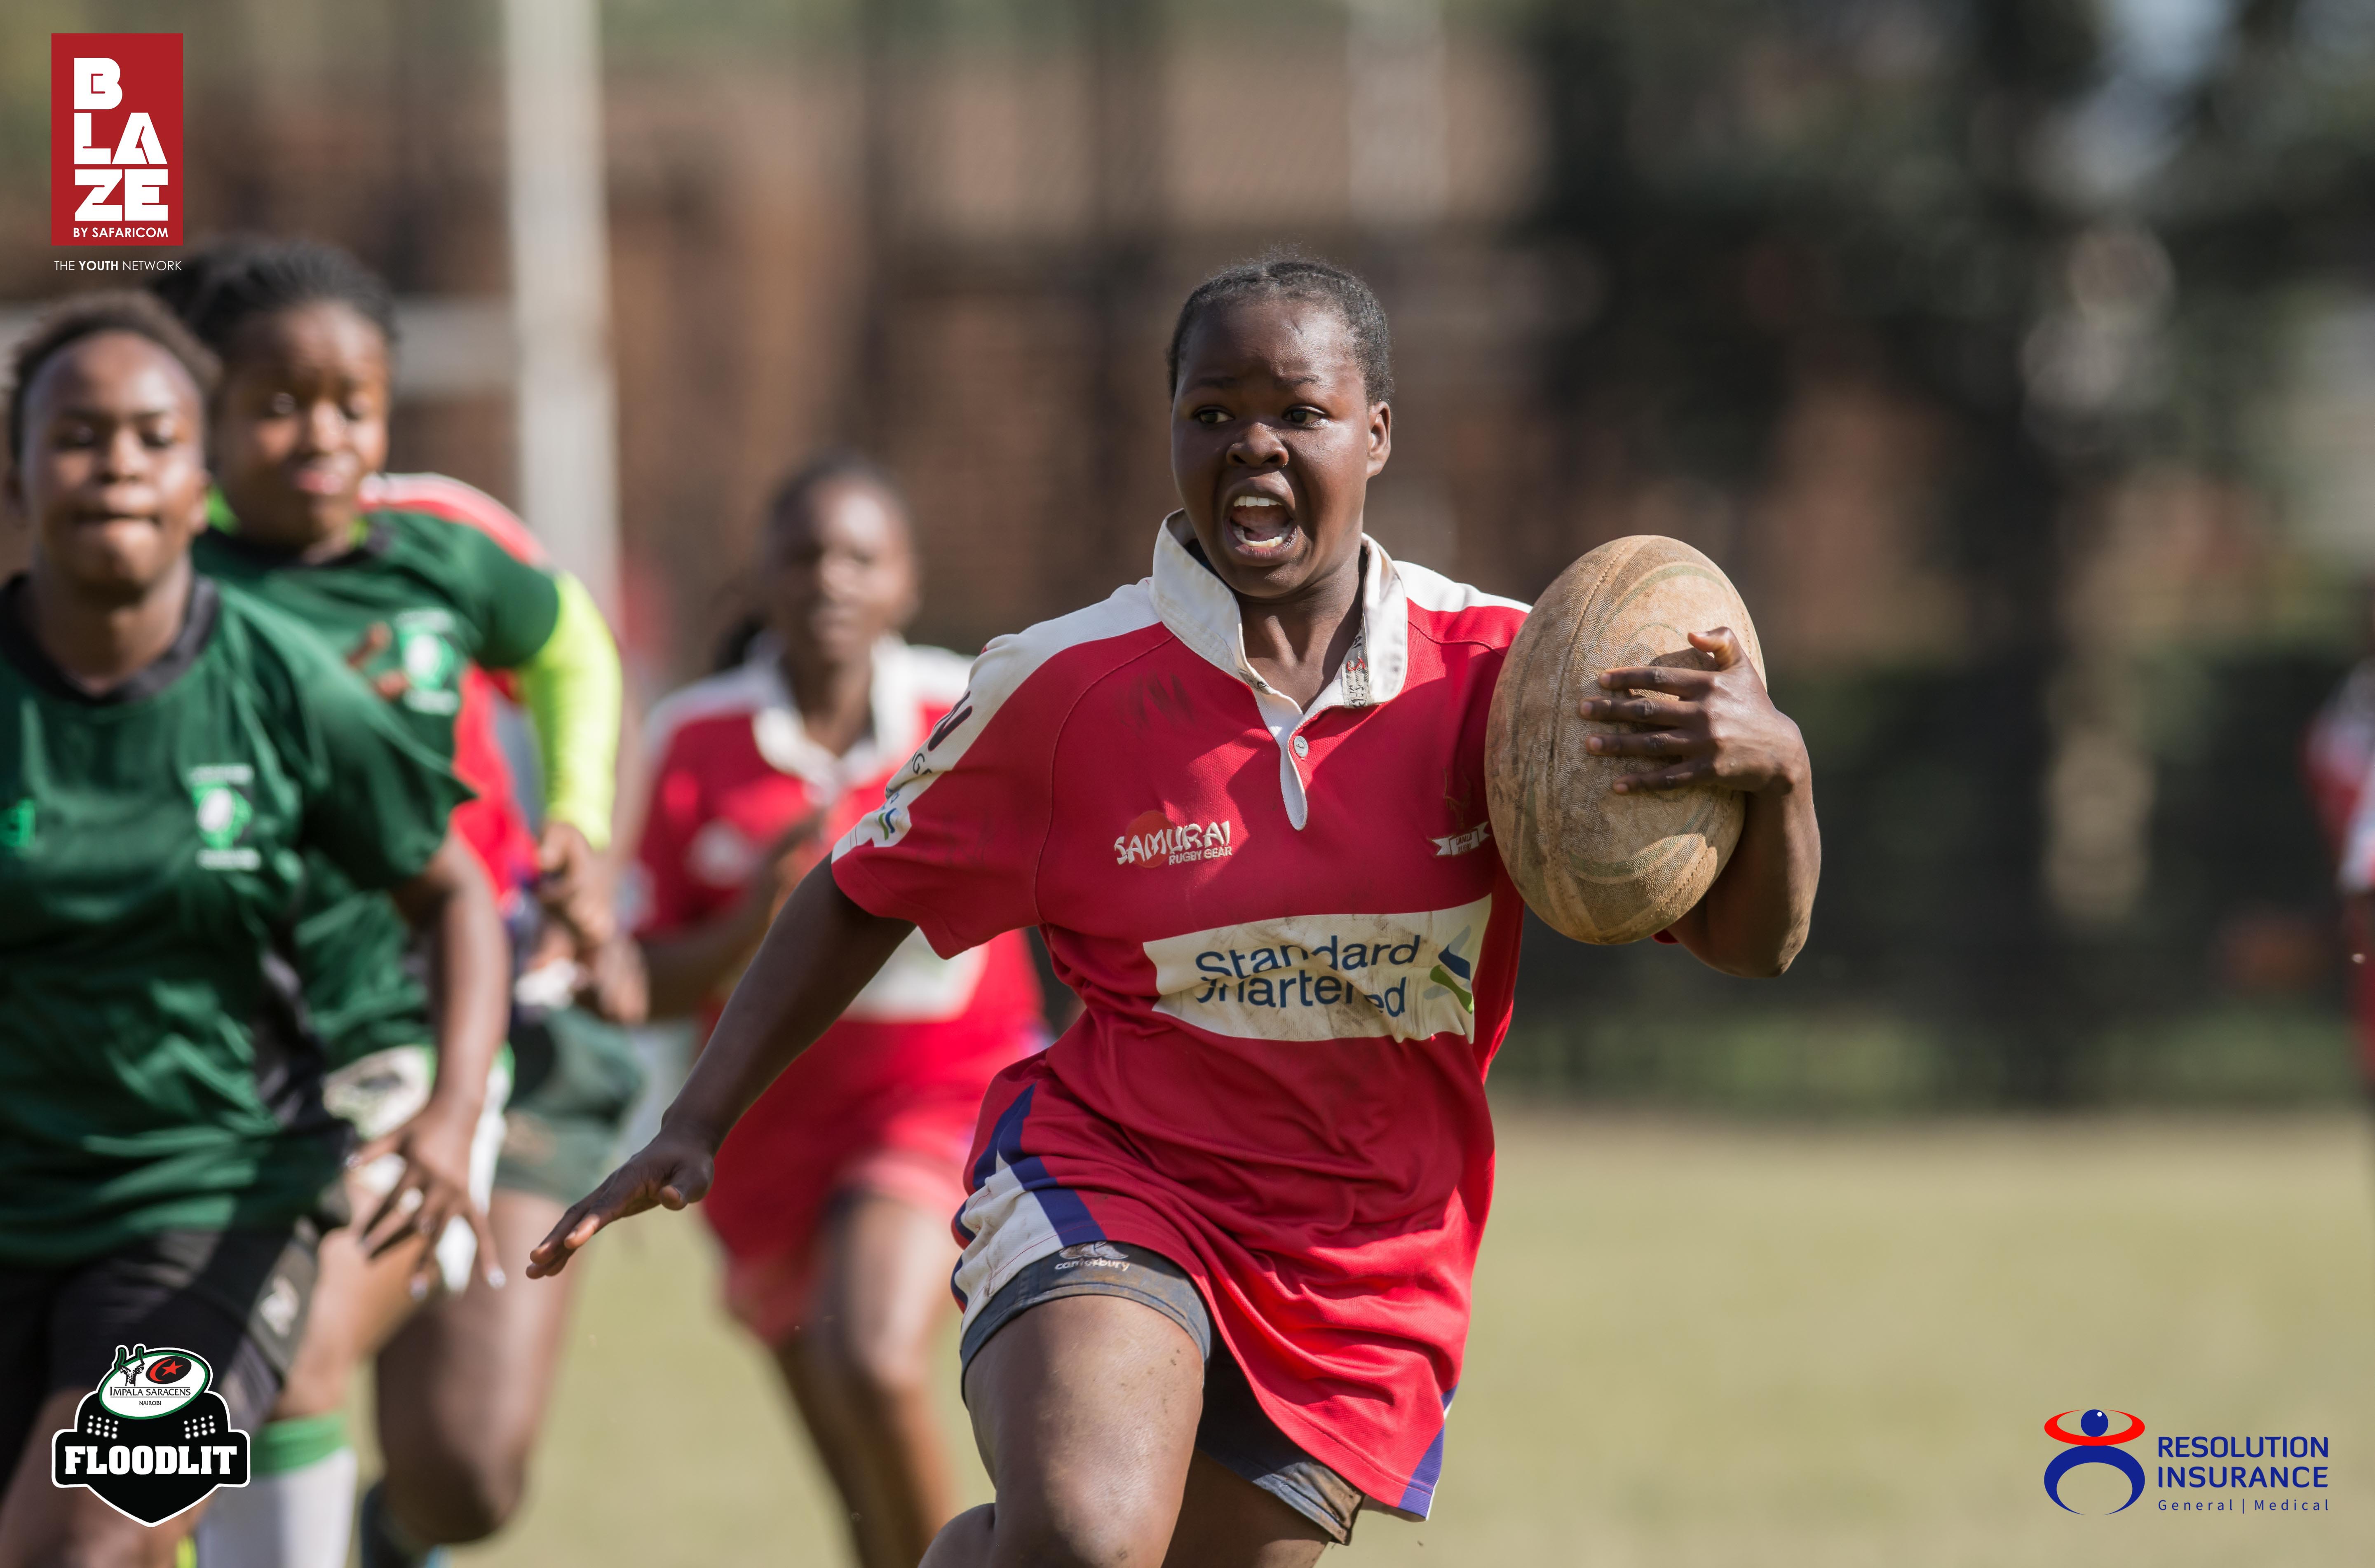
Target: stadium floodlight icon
point(2094, 1443)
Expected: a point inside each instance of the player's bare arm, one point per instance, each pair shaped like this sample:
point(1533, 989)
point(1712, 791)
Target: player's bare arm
point(1718, 726)
point(685, 969)
point(450, 904)
point(820, 952)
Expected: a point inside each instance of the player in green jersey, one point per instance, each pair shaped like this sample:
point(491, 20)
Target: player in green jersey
point(174, 761)
point(414, 598)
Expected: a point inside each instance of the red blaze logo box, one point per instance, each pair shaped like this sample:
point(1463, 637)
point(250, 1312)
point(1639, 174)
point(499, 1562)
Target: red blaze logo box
point(115, 138)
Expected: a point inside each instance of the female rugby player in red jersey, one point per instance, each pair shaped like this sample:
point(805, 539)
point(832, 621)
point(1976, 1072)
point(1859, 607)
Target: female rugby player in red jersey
point(1220, 1234)
point(833, 1194)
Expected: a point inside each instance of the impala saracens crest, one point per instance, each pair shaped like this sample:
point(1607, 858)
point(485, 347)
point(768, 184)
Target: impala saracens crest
point(153, 1439)
point(2094, 1443)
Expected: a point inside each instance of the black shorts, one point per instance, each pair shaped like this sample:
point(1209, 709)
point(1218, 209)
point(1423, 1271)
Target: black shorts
point(576, 1079)
point(1233, 1431)
point(238, 1298)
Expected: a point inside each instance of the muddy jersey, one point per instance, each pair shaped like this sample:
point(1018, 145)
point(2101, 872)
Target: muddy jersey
point(1296, 947)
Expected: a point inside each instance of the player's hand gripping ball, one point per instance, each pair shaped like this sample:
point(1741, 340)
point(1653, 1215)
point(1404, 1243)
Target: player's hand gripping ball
point(1615, 809)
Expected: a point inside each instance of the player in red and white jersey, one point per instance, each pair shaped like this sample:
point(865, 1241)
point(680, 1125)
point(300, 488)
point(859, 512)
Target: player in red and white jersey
point(1219, 1243)
point(833, 1194)
point(2338, 756)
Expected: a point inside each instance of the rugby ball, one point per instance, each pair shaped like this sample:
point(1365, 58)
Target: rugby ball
point(1596, 866)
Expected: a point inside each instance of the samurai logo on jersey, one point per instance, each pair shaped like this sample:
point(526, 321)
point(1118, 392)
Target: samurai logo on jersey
point(1327, 976)
point(1153, 838)
point(219, 795)
point(431, 664)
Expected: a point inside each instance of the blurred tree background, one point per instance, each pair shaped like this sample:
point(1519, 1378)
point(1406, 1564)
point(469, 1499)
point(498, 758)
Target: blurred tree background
point(2065, 260)
point(2017, 356)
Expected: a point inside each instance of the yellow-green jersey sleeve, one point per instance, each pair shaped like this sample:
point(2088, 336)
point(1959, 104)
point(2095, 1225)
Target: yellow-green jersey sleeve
point(573, 691)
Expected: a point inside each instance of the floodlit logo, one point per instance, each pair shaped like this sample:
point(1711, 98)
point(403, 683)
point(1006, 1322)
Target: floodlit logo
point(2094, 1443)
point(153, 1439)
point(115, 138)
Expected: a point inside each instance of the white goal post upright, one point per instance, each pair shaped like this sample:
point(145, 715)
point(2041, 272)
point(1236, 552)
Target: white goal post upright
point(567, 406)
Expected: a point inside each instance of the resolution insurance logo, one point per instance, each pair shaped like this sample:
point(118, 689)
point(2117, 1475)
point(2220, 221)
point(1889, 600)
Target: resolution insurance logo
point(115, 138)
point(2094, 1443)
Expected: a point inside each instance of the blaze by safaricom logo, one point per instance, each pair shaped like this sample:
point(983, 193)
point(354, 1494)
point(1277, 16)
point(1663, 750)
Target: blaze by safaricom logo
point(1153, 838)
point(115, 138)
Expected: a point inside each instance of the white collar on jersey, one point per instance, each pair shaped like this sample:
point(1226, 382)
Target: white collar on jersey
point(783, 737)
point(1201, 612)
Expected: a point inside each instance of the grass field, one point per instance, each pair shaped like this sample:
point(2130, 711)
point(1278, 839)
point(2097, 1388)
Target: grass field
point(1699, 1344)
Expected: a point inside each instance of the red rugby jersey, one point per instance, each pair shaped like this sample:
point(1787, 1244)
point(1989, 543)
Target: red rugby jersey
point(2338, 755)
point(1296, 946)
point(493, 822)
point(734, 767)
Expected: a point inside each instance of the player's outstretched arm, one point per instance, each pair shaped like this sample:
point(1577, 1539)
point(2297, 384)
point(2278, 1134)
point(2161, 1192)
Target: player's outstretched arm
point(820, 950)
point(1719, 727)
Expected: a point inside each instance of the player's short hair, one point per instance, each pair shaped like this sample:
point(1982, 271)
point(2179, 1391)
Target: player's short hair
point(1283, 274)
point(232, 281)
point(87, 316)
point(795, 500)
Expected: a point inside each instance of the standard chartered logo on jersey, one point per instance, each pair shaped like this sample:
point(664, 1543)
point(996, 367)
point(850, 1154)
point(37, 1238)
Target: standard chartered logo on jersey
point(218, 795)
point(1327, 976)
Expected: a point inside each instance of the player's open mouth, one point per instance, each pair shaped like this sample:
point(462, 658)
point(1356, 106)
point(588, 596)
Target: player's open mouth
point(1262, 525)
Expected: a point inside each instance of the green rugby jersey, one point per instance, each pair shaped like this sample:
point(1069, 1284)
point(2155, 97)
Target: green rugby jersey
point(450, 596)
point(155, 1069)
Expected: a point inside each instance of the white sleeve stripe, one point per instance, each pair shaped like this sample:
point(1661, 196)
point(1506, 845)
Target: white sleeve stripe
point(728, 691)
point(1433, 591)
point(997, 675)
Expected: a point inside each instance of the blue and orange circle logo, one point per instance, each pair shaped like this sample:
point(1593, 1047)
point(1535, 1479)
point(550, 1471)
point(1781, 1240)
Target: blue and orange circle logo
point(2094, 1443)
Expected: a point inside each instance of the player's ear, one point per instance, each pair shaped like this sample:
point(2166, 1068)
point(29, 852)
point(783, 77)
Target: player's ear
point(1381, 437)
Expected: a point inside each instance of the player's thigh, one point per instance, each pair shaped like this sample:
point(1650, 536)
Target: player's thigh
point(883, 1289)
point(42, 1524)
point(469, 1374)
point(1085, 1411)
point(359, 1301)
point(1225, 1521)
